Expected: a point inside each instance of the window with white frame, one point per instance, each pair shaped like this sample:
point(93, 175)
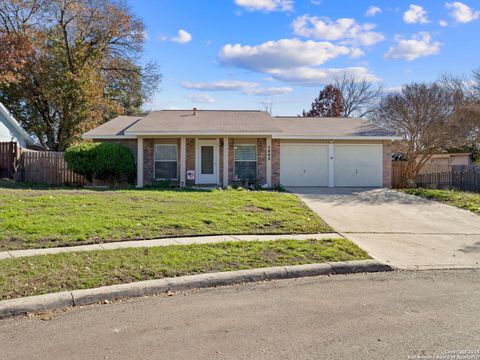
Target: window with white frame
point(245, 161)
point(166, 159)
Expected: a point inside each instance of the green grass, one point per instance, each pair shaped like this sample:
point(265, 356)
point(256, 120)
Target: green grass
point(37, 218)
point(68, 271)
point(462, 199)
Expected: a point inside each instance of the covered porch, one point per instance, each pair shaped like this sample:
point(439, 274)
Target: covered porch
point(205, 160)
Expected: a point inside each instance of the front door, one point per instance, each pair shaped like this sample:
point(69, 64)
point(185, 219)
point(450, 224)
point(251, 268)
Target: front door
point(207, 158)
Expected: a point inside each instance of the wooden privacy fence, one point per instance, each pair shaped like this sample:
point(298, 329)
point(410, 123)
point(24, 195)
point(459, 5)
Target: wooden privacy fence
point(465, 178)
point(9, 154)
point(47, 167)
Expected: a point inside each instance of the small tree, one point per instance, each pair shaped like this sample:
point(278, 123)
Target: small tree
point(329, 103)
point(430, 118)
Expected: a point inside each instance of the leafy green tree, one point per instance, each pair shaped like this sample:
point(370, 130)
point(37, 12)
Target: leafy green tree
point(73, 65)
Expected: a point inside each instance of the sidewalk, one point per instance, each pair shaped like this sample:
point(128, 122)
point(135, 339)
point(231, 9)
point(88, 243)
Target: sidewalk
point(164, 242)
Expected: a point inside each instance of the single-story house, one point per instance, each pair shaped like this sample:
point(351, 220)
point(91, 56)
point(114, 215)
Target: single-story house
point(220, 147)
point(11, 130)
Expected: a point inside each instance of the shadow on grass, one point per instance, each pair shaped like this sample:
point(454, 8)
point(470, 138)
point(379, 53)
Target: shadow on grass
point(9, 184)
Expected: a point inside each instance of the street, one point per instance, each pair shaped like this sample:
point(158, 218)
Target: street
point(364, 316)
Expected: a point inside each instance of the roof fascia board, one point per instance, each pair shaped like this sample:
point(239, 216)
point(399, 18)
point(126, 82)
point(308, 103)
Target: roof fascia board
point(289, 137)
point(208, 133)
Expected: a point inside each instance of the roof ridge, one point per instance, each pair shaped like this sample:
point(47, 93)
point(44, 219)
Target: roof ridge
point(219, 110)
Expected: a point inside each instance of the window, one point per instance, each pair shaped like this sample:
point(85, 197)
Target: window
point(166, 157)
point(245, 162)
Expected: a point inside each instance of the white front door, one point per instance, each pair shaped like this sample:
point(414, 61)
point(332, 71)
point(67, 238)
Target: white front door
point(207, 162)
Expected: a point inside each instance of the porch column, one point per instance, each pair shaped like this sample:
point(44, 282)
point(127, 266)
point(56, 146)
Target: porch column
point(331, 165)
point(269, 161)
point(225, 162)
point(139, 162)
point(183, 161)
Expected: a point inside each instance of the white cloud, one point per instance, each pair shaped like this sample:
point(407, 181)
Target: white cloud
point(221, 85)
point(415, 15)
point(266, 5)
point(442, 23)
point(291, 60)
point(201, 98)
point(268, 91)
point(461, 12)
point(181, 38)
point(314, 76)
point(372, 11)
point(245, 87)
point(282, 54)
point(316, 2)
point(419, 45)
point(346, 30)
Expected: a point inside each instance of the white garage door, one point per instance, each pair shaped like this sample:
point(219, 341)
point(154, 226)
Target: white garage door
point(358, 165)
point(304, 164)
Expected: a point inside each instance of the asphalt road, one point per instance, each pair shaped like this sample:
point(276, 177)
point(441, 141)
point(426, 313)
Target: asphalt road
point(364, 316)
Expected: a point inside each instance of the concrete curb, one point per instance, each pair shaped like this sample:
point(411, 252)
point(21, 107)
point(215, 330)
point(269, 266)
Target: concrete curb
point(68, 299)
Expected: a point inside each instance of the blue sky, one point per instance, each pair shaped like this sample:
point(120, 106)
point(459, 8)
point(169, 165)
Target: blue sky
point(237, 54)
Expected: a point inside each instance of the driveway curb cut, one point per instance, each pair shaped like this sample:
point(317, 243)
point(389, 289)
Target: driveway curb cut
point(68, 299)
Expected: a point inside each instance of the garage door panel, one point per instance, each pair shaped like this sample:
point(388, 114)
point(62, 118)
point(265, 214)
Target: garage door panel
point(358, 165)
point(304, 164)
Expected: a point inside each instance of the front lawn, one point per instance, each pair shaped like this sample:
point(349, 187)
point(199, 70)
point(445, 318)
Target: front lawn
point(69, 271)
point(35, 218)
point(462, 199)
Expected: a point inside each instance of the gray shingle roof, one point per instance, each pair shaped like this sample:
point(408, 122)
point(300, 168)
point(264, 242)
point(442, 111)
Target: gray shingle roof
point(114, 127)
point(327, 127)
point(205, 121)
point(232, 122)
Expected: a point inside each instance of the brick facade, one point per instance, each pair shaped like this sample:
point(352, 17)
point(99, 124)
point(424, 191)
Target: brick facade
point(275, 162)
point(387, 164)
point(262, 160)
point(261, 157)
point(190, 159)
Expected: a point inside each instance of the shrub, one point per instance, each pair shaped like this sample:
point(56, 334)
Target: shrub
point(80, 158)
point(103, 161)
point(113, 162)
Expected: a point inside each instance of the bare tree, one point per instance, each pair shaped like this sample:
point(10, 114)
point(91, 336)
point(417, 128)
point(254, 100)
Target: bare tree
point(429, 117)
point(267, 106)
point(360, 97)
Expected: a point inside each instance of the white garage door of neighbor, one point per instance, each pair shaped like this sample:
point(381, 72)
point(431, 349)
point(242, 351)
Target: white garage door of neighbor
point(304, 164)
point(358, 165)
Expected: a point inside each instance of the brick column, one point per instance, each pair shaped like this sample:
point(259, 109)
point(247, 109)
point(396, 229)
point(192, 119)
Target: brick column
point(387, 164)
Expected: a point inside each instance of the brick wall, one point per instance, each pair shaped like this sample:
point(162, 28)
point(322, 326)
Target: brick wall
point(262, 160)
point(387, 164)
point(275, 162)
point(190, 160)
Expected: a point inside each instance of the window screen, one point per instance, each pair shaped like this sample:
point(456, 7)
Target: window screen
point(166, 157)
point(246, 162)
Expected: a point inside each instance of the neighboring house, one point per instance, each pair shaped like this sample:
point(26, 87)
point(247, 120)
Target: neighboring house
point(217, 147)
point(10, 129)
point(451, 159)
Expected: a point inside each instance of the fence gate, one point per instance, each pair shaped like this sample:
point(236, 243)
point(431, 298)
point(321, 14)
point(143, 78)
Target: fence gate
point(9, 154)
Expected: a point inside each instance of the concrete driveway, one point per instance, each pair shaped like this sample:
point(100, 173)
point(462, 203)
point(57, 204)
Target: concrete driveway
point(401, 230)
